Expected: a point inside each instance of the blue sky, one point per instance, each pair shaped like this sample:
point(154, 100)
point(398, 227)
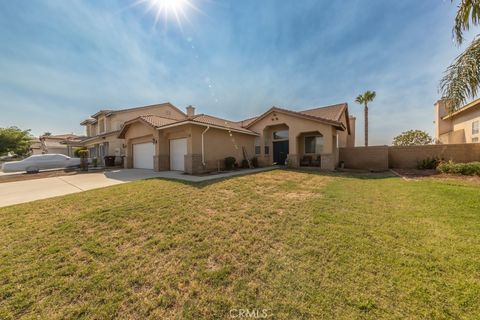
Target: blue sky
point(61, 61)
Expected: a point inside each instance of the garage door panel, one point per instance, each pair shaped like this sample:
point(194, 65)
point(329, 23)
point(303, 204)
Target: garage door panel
point(178, 150)
point(143, 154)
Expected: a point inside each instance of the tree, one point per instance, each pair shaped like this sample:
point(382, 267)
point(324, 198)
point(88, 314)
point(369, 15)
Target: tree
point(462, 78)
point(46, 134)
point(14, 140)
point(412, 138)
point(364, 99)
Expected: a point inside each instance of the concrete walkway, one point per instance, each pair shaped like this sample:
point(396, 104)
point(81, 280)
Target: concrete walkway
point(29, 190)
point(176, 175)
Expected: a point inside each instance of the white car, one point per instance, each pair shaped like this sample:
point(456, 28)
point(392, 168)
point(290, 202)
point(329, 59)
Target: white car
point(40, 162)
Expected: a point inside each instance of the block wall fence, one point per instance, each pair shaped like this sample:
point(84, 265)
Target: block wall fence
point(384, 157)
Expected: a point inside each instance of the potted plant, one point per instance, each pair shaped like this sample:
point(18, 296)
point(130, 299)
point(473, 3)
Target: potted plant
point(83, 153)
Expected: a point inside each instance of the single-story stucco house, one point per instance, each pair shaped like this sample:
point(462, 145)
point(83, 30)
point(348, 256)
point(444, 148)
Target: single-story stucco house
point(60, 143)
point(164, 138)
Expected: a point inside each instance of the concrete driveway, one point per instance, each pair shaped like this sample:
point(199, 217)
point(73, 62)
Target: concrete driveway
point(30, 190)
point(36, 189)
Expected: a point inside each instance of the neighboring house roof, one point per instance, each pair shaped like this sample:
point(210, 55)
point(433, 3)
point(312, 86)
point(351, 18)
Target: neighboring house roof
point(87, 139)
point(54, 144)
point(329, 115)
point(469, 106)
point(68, 136)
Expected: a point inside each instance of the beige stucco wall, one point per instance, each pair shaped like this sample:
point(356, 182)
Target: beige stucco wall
point(296, 126)
point(115, 121)
point(344, 138)
point(218, 144)
point(115, 145)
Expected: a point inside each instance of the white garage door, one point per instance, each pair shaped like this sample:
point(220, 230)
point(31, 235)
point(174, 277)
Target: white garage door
point(143, 155)
point(178, 150)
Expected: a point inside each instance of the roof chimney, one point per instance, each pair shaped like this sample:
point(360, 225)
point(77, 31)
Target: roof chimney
point(190, 111)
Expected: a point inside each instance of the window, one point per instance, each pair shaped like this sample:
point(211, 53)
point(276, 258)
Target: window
point(474, 140)
point(266, 150)
point(314, 144)
point(475, 127)
point(280, 135)
point(257, 145)
point(102, 125)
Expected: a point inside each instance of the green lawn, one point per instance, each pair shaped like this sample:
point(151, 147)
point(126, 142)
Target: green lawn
point(302, 245)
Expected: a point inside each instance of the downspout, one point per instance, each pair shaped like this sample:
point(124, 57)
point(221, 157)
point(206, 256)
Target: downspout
point(203, 146)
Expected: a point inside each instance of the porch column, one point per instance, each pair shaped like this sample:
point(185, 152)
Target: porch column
point(292, 157)
point(128, 160)
point(329, 150)
point(265, 141)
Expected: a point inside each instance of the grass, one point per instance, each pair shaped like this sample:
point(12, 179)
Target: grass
point(302, 245)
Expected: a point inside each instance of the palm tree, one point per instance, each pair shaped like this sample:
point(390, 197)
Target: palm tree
point(462, 79)
point(364, 99)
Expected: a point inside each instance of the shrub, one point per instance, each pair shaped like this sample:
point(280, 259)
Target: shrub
point(254, 162)
point(429, 163)
point(467, 169)
point(290, 163)
point(79, 151)
point(230, 163)
point(245, 163)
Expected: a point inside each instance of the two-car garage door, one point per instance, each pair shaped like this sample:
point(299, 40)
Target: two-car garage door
point(143, 155)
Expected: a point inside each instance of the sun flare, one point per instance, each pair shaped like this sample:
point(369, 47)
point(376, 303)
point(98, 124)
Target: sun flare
point(167, 9)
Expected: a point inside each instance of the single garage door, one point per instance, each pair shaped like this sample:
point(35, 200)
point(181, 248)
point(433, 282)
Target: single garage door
point(143, 155)
point(178, 150)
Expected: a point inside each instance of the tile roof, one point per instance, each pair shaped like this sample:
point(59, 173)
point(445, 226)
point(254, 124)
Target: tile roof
point(246, 122)
point(333, 112)
point(206, 119)
point(329, 114)
point(157, 121)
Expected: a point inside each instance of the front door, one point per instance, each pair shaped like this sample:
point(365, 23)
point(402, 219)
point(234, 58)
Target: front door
point(280, 152)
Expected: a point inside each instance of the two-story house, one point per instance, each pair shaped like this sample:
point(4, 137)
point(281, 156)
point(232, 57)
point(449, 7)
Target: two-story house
point(103, 127)
point(461, 126)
